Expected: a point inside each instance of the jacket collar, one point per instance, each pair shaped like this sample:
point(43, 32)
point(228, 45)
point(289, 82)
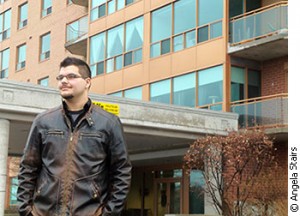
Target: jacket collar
point(85, 112)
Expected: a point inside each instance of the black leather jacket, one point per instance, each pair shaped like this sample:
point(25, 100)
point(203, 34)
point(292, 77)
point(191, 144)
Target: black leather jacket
point(80, 171)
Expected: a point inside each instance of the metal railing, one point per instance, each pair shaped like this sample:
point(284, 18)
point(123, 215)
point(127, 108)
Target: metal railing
point(259, 23)
point(268, 111)
point(77, 29)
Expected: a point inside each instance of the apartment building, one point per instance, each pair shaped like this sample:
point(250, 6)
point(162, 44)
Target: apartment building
point(221, 55)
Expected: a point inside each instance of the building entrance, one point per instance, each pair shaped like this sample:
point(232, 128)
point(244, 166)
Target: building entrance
point(167, 196)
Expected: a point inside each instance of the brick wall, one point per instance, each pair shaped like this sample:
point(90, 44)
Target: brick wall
point(275, 76)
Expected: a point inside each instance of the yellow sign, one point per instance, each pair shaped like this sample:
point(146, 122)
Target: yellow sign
point(112, 108)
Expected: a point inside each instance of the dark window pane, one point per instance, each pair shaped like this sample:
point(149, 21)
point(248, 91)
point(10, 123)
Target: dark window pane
point(202, 34)
point(165, 46)
point(252, 5)
point(102, 10)
point(129, 2)
point(235, 8)
point(100, 68)
point(128, 59)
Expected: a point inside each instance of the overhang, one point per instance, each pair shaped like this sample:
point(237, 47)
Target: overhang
point(155, 133)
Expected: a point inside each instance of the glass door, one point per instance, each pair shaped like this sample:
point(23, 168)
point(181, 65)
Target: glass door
point(168, 197)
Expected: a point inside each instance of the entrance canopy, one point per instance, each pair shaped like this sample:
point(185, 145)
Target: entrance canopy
point(155, 133)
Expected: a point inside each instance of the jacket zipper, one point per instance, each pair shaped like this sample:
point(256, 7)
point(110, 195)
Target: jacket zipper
point(69, 156)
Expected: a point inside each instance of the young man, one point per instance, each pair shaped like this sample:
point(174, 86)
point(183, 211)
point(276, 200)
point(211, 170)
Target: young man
point(75, 161)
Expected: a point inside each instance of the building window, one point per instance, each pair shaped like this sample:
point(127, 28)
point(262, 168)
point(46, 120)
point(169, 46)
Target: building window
point(98, 9)
point(237, 83)
point(117, 94)
point(161, 30)
point(116, 48)
point(254, 84)
point(184, 90)
point(5, 25)
point(237, 7)
point(4, 64)
point(45, 47)
point(245, 84)
point(21, 57)
point(209, 83)
point(161, 91)
point(69, 2)
point(2, 1)
point(210, 23)
point(196, 192)
point(182, 25)
point(13, 191)
point(134, 93)
point(23, 15)
point(101, 8)
point(46, 7)
point(97, 53)
point(184, 21)
point(134, 41)
point(210, 87)
point(44, 81)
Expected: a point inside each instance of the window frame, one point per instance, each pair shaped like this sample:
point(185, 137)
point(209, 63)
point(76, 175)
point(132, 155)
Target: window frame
point(25, 21)
point(20, 65)
point(47, 53)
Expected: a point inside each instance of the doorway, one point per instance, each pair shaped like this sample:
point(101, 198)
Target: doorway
point(168, 193)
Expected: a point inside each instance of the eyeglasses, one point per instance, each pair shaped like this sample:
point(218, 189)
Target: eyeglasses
point(69, 76)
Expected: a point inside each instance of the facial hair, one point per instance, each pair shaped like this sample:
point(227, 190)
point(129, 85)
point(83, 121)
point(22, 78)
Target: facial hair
point(68, 97)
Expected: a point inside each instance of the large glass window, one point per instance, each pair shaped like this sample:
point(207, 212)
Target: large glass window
point(210, 89)
point(182, 24)
point(115, 47)
point(97, 54)
point(184, 90)
point(23, 15)
point(4, 64)
point(45, 47)
point(161, 91)
point(161, 28)
point(210, 19)
point(196, 192)
point(118, 49)
point(184, 16)
point(46, 7)
point(209, 11)
point(134, 93)
point(237, 83)
point(5, 25)
point(100, 8)
point(21, 57)
point(134, 41)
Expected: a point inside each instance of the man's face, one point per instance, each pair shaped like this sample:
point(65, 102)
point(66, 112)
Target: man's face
point(71, 84)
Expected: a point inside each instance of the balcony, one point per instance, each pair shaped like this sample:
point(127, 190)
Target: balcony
point(268, 112)
point(84, 3)
point(260, 34)
point(77, 33)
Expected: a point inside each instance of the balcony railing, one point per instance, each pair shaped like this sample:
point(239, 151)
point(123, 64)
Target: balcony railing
point(77, 30)
point(259, 23)
point(269, 111)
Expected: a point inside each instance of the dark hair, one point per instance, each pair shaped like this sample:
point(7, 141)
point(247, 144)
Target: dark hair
point(83, 67)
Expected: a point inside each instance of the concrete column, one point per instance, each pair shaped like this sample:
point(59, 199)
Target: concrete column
point(4, 137)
